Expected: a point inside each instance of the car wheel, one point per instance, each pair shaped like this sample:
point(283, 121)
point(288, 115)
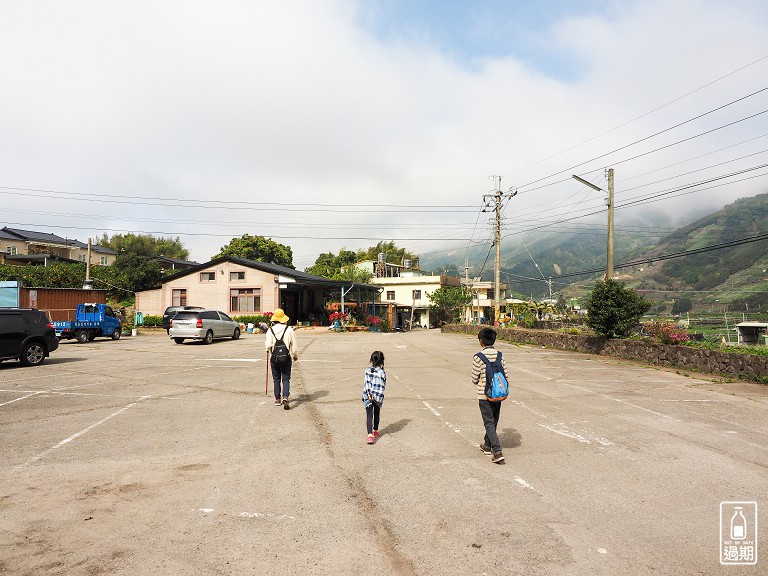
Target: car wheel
point(32, 354)
point(208, 337)
point(178, 340)
point(116, 334)
point(82, 336)
point(236, 335)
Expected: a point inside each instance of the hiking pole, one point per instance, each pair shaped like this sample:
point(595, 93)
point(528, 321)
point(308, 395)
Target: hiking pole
point(266, 377)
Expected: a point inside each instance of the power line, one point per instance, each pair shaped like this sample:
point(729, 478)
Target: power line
point(654, 135)
point(642, 115)
point(680, 254)
point(230, 235)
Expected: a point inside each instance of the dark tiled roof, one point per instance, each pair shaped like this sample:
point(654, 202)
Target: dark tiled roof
point(32, 235)
point(298, 275)
point(176, 261)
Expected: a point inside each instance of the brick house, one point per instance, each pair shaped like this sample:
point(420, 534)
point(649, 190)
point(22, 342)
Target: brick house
point(242, 287)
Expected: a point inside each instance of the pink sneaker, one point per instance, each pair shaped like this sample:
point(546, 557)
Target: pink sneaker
point(370, 439)
point(376, 434)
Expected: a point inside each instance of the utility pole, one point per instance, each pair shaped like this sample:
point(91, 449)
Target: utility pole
point(609, 267)
point(497, 197)
point(469, 287)
point(609, 203)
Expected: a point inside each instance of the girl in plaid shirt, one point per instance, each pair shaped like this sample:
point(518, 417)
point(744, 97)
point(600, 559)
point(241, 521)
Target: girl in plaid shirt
point(373, 394)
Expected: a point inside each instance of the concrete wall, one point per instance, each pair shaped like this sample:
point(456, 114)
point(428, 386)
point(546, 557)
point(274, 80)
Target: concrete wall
point(733, 365)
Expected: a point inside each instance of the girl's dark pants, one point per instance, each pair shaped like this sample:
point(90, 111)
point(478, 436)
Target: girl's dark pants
point(372, 412)
point(490, 412)
point(281, 374)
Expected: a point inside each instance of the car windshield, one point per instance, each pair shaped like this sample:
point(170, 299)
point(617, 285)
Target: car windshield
point(183, 315)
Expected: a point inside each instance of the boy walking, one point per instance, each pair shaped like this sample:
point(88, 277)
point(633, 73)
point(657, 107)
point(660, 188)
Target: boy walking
point(488, 410)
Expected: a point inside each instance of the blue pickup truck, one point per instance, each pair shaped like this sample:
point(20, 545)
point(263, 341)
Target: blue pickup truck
point(91, 320)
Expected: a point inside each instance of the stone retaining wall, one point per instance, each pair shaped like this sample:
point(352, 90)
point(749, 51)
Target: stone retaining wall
point(745, 366)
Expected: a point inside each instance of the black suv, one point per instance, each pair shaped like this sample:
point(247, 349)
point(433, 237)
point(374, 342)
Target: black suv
point(26, 334)
point(171, 311)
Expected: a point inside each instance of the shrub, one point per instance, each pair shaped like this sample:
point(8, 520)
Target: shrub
point(666, 332)
point(614, 310)
point(152, 321)
point(526, 322)
point(254, 319)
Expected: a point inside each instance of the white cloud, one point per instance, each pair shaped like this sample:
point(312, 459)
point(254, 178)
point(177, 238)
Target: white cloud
point(294, 102)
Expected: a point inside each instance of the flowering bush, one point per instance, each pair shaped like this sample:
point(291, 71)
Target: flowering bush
point(373, 320)
point(338, 316)
point(666, 332)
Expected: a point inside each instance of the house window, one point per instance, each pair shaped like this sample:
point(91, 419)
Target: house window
point(208, 276)
point(81, 257)
point(245, 300)
point(237, 276)
point(103, 261)
point(417, 294)
point(390, 294)
point(489, 294)
point(179, 297)
point(11, 250)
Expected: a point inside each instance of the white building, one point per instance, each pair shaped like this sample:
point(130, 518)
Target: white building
point(482, 307)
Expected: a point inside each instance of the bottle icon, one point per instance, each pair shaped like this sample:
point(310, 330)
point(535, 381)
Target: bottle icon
point(738, 524)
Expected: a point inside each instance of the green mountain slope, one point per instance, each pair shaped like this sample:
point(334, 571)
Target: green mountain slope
point(735, 277)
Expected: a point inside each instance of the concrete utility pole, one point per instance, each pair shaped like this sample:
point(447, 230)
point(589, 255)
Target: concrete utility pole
point(609, 267)
point(498, 198)
point(609, 203)
point(469, 287)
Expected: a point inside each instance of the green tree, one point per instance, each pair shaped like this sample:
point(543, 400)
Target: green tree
point(329, 265)
point(682, 305)
point(393, 254)
point(614, 310)
point(449, 303)
point(144, 245)
point(134, 272)
point(260, 249)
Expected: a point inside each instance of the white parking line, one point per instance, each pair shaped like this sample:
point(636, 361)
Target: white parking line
point(230, 359)
point(22, 398)
point(455, 428)
point(44, 453)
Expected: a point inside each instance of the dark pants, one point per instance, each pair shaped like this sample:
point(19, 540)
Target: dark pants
point(372, 413)
point(490, 412)
point(281, 374)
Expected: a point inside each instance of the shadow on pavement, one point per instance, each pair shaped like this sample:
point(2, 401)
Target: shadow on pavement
point(308, 397)
point(510, 438)
point(396, 426)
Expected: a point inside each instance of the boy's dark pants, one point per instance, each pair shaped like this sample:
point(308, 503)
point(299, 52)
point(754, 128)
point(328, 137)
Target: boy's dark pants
point(490, 412)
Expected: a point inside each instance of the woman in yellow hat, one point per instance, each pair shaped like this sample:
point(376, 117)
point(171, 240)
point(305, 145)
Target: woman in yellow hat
point(283, 351)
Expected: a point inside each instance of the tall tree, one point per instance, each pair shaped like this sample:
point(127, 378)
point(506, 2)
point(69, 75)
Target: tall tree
point(329, 265)
point(260, 249)
point(144, 245)
point(135, 272)
point(393, 254)
point(449, 303)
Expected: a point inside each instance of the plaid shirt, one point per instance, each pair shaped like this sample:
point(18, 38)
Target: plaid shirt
point(375, 382)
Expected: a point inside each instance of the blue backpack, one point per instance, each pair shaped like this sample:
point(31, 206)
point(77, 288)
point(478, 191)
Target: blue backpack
point(496, 385)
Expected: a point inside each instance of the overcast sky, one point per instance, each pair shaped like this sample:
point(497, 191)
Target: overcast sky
point(337, 123)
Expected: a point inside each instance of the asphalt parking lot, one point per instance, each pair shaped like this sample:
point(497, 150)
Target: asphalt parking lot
point(140, 456)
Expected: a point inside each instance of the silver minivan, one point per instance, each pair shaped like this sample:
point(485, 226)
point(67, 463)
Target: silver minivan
point(202, 325)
